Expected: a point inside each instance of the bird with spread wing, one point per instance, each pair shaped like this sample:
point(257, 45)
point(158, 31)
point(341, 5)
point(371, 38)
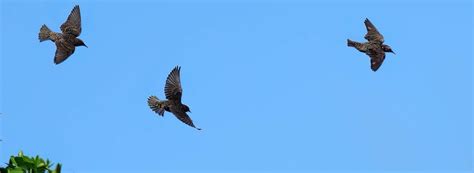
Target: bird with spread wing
point(374, 48)
point(66, 41)
point(173, 93)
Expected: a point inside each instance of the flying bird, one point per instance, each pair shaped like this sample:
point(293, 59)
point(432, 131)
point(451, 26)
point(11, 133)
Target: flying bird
point(173, 92)
point(374, 48)
point(66, 41)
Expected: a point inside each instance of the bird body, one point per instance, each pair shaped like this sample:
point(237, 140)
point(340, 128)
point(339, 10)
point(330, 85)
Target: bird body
point(374, 48)
point(66, 41)
point(173, 104)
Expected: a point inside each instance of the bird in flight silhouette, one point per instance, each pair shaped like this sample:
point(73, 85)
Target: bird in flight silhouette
point(374, 48)
point(66, 41)
point(173, 92)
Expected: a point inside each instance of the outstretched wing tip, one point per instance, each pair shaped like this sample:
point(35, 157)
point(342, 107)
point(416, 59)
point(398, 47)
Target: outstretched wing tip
point(177, 67)
point(372, 32)
point(184, 118)
point(173, 88)
point(72, 25)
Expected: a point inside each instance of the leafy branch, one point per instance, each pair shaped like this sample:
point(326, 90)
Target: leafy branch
point(25, 164)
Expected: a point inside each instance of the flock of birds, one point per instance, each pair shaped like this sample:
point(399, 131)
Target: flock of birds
point(67, 41)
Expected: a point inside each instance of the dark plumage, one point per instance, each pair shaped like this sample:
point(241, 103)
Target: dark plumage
point(173, 92)
point(66, 41)
point(374, 48)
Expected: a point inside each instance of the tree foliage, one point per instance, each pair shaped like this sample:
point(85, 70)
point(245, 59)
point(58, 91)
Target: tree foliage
point(25, 164)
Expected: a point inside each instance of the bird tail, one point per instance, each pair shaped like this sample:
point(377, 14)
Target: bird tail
point(156, 105)
point(351, 43)
point(359, 46)
point(44, 33)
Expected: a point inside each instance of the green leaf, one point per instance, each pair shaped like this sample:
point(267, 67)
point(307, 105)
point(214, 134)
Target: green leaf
point(42, 166)
point(12, 162)
point(36, 160)
point(15, 170)
point(56, 170)
point(25, 163)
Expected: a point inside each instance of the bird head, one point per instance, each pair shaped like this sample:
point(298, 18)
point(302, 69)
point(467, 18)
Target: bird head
point(186, 108)
point(387, 48)
point(79, 42)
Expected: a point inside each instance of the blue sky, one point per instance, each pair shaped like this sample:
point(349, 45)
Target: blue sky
point(272, 84)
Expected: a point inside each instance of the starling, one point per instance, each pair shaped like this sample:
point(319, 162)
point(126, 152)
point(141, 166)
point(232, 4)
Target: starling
point(66, 41)
point(374, 48)
point(173, 92)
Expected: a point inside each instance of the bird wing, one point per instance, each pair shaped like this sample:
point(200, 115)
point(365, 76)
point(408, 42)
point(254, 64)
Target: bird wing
point(372, 32)
point(183, 117)
point(73, 22)
point(376, 60)
point(173, 90)
point(64, 49)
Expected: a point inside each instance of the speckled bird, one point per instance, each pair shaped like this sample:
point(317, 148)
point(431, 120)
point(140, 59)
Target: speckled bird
point(374, 48)
point(66, 41)
point(173, 92)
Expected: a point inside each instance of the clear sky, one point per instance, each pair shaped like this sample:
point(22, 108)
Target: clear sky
point(273, 85)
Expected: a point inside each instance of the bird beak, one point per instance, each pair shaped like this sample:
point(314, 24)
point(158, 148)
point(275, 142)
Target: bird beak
point(393, 52)
point(86, 46)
